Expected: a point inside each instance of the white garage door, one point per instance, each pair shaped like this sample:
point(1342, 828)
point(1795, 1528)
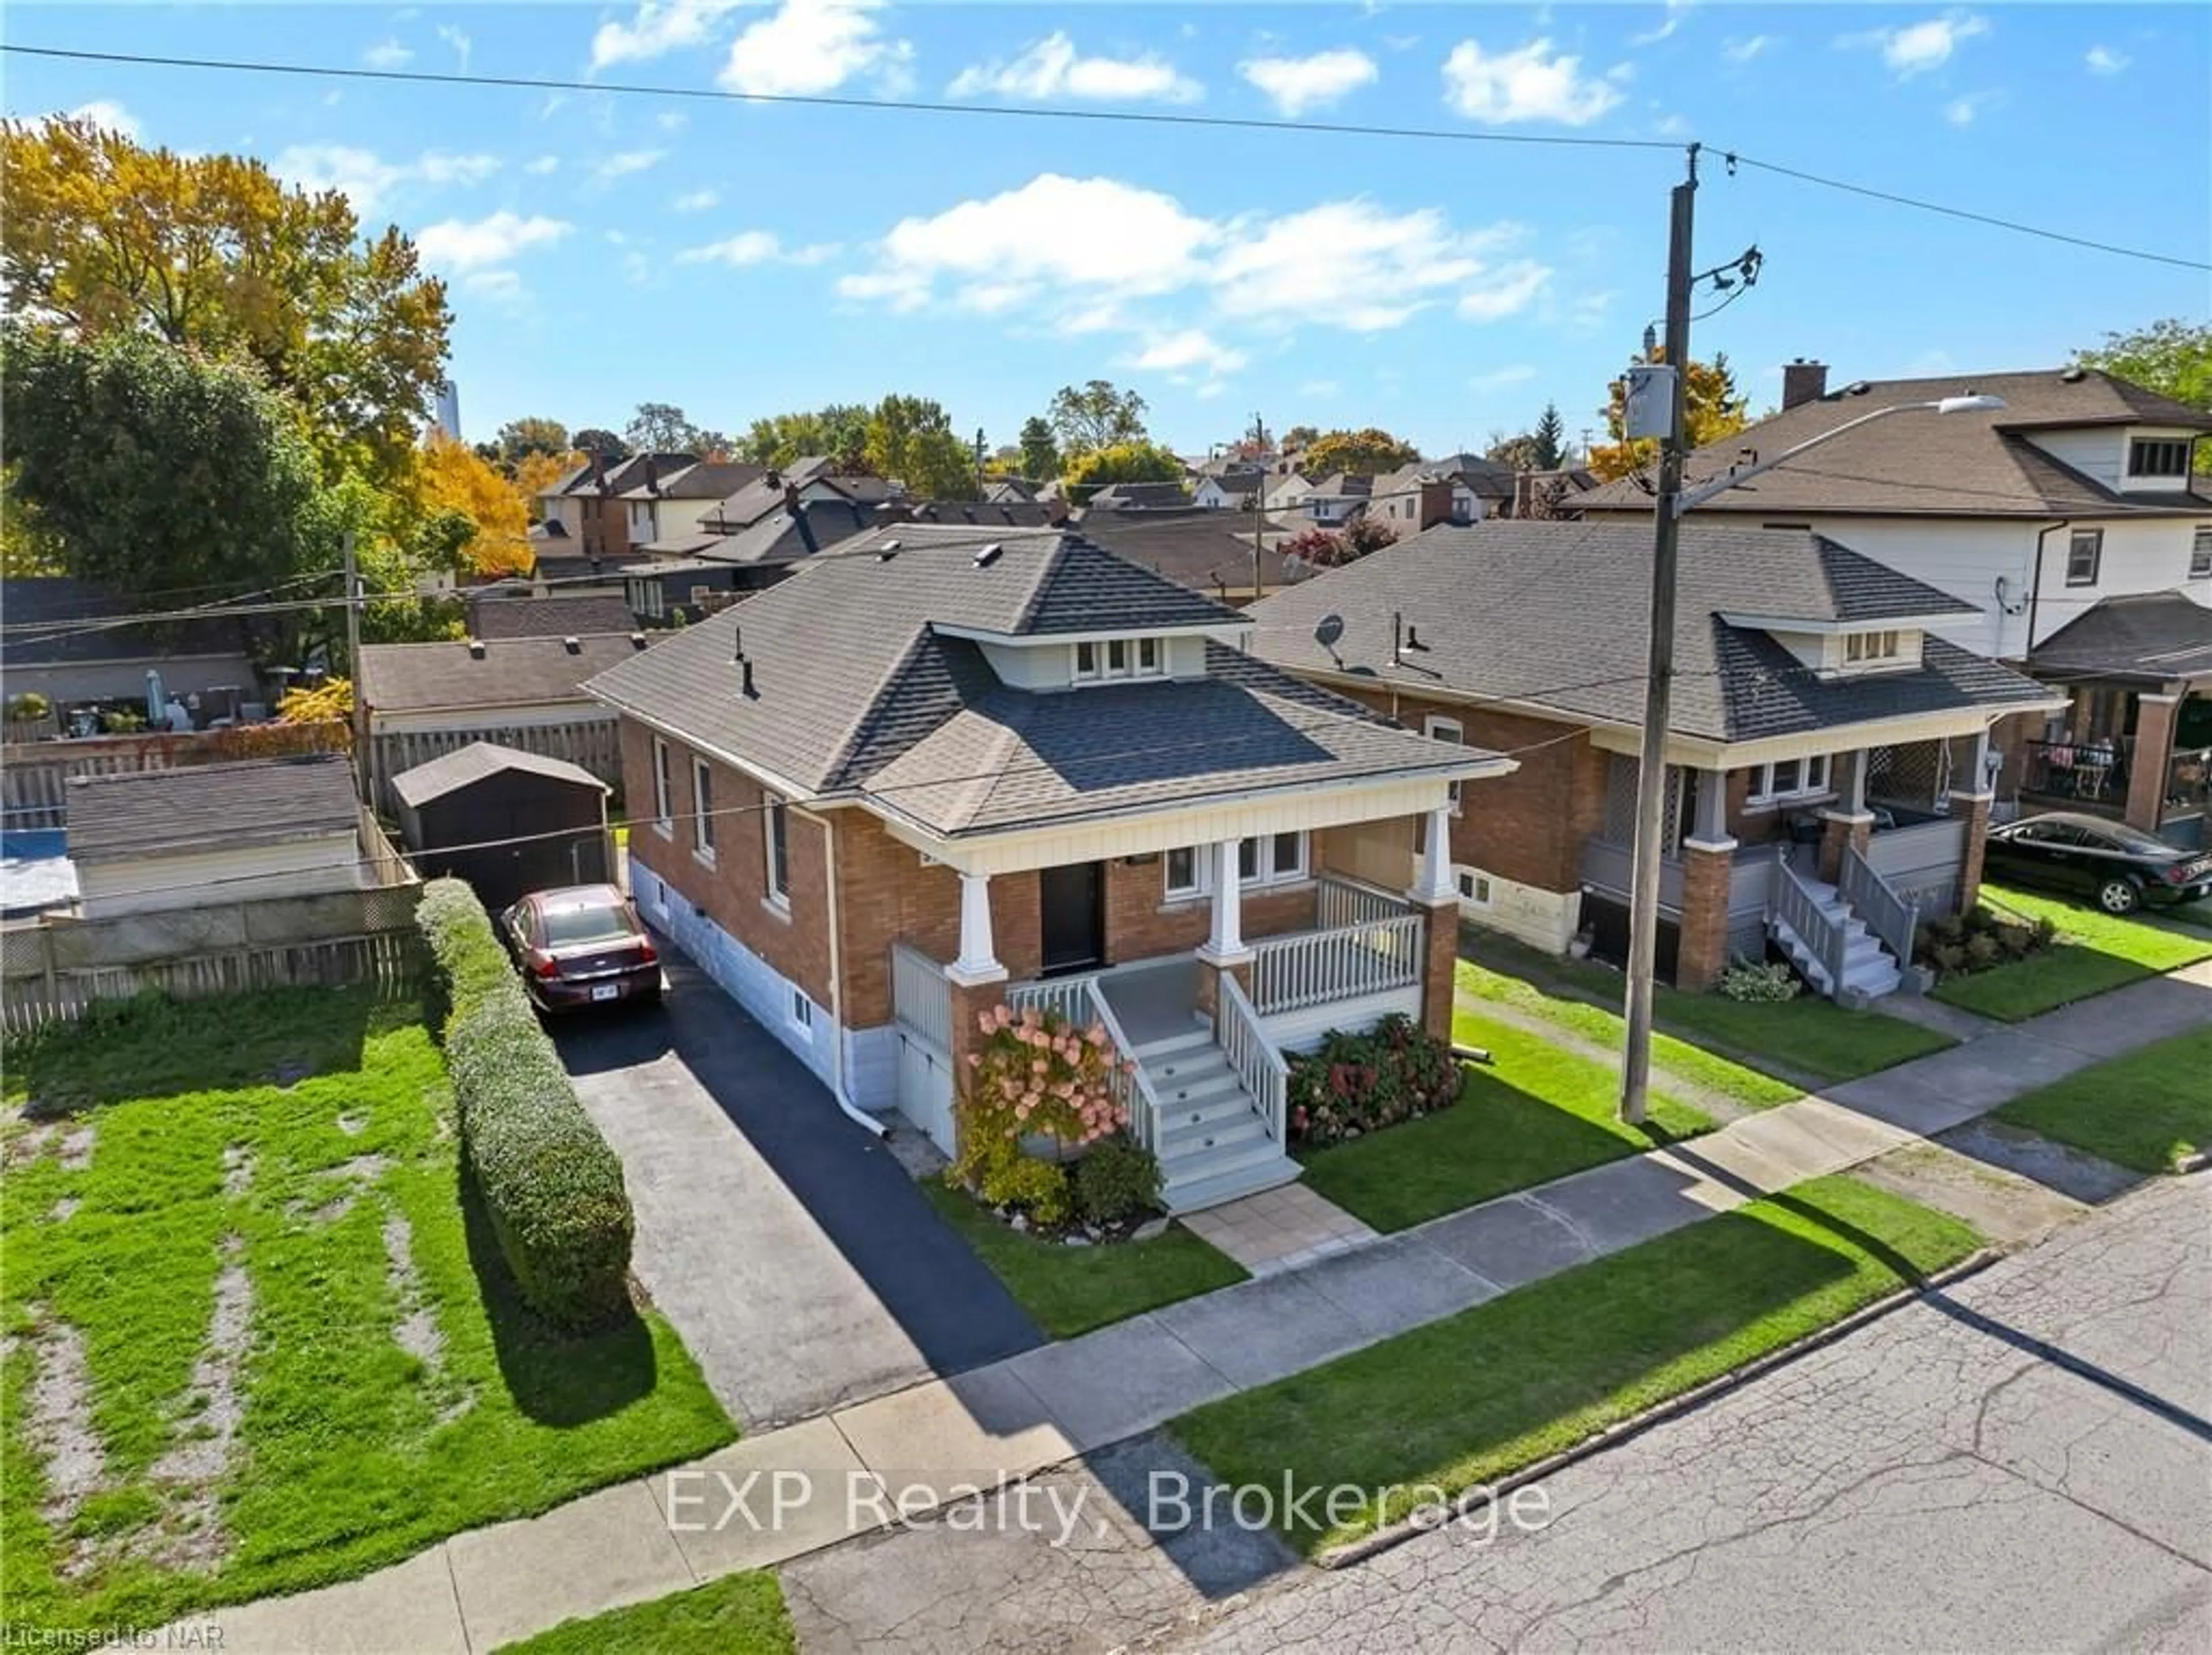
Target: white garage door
point(924, 1088)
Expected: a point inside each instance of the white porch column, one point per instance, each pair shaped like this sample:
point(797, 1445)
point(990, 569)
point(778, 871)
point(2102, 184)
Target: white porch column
point(1224, 944)
point(1435, 883)
point(978, 961)
point(1854, 801)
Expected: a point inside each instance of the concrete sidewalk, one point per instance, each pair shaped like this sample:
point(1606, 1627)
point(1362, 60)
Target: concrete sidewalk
point(852, 1472)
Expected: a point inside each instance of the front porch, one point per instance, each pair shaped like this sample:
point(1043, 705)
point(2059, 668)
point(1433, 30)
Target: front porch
point(2126, 752)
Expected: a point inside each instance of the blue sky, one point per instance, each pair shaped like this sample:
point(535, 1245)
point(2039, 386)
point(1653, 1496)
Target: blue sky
point(741, 259)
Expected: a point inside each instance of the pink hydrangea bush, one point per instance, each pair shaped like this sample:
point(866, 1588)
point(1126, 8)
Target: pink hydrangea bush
point(1037, 1075)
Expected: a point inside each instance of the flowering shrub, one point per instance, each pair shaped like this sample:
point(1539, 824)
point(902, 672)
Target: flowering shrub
point(1037, 1075)
point(1758, 981)
point(1357, 1082)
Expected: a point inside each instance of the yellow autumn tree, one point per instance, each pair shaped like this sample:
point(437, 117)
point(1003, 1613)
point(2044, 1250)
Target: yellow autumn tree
point(451, 477)
point(534, 473)
point(1715, 410)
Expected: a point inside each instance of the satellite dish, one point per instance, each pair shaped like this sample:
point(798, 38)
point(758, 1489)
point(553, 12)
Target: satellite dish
point(1328, 630)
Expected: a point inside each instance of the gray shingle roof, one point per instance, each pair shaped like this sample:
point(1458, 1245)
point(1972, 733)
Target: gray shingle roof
point(466, 766)
point(1947, 464)
point(1139, 496)
point(414, 677)
point(1551, 615)
point(255, 801)
point(852, 678)
point(557, 617)
point(1203, 550)
point(2156, 636)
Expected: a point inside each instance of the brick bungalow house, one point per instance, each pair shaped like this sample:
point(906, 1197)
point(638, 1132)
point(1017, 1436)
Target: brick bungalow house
point(1825, 766)
point(947, 767)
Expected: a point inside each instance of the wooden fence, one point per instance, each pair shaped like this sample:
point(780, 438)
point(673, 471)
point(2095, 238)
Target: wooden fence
point(591, 741)
point(51, 969)
point(35, 776)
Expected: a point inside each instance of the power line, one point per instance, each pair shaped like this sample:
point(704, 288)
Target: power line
point(1119, 117)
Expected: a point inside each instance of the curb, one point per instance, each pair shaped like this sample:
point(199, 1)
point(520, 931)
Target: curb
point(1474, 1500)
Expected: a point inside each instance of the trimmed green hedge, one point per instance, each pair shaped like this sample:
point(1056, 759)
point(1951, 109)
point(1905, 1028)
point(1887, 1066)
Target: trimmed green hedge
point(551, 1186)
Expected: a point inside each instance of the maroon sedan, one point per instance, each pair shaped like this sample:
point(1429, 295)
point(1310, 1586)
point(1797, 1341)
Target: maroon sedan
point(581, 946)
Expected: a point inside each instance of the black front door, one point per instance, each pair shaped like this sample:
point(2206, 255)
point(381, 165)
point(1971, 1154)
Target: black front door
point(1073, 899)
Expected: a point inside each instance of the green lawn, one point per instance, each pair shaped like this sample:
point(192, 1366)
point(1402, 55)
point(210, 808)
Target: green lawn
point(1467, 1400)
point(739, 1614)
point(1071, 1290)
point(376, 1383)
point(1746, 1086)
point(2096, 952)
point(1807, 1036)
point(2145, 1110)
point(1533, 1114)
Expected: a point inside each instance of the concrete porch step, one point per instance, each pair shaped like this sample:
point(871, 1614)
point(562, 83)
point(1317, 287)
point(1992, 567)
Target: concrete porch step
point(1218, 1189)
point(1195, 1164)
point(1234, 1125)
point(1199, 1035)
point(1210, 1110)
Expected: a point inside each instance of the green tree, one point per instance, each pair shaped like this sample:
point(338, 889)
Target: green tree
point(1714, 411)
point(593, 440)
point(1360, 453)
point(912, 439)
point(1300, 436)
point(1120, 462)
point(838, 432)
point(662, 427)
point(1039, 450)
point(106, 236)
point(530, 435)
point(1550, 439)
point(1096, 415)
point(1519, 452)
point(2171, 356)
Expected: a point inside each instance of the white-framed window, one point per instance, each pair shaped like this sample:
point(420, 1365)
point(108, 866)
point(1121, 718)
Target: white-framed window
point(1097, 661)
point(1439, 728)
point(775, 826)
point(1790, 778)
point(2158, 456)
point(1265, 859)
point(1860, 648)
point(662, 817)
point(2200, 554)
point(703, 811)
point(1474, 887)
point(2085, 553)
point(802, 1010)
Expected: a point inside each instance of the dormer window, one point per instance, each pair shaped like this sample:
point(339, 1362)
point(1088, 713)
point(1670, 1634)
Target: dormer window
point(1863, 648)
point(2158, 456)
point(1104, 658)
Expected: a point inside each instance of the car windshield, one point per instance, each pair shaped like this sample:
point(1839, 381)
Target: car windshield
point(565, 927)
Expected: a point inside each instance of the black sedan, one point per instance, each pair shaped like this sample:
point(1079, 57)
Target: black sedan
point(2117, 866)
point(581, 946)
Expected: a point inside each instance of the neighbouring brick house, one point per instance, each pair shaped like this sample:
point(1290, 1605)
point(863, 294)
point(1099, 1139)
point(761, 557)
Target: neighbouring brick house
point(944, 769)
point(1827, 758)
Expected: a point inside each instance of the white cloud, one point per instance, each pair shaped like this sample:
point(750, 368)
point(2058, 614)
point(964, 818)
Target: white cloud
point(443, 167)
point(1190, 349)
point(811, 47)
point(1298, 84)
point(106, 112)
point(2105, 60)
point(1916, 48)
point(1505, 291)
point(464, 244)
point(755, 248)
point(388, 54)
point(656, 29)
point(695, 201)
point(1052, 68)
point(624, 162)
point(1667, 27)
point(1534, 83)
point(1962, 112)
point(672, 120)
point(368, 180)
point(460, 41)
point(1499, 378)
point(1741, 49)
point(542, 165)
point(1347, 262)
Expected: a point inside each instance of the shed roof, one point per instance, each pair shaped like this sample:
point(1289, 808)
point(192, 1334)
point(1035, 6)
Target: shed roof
point(253, 802)
point(480, 761)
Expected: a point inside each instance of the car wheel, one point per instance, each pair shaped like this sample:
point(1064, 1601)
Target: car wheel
point(2117, 896)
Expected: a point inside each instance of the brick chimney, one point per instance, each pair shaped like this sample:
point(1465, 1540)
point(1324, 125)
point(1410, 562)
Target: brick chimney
point(1435, 501)
point(1803, 381)
point(652, 474)
point(791, 497)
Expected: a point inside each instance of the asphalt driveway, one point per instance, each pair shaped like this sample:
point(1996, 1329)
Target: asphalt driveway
point(799, 1260)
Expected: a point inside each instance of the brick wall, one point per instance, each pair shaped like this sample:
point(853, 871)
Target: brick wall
point(1528, 826)
point(1702, 951)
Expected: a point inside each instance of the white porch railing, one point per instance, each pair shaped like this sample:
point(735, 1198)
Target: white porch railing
point(1822, 933)
point(1252, 1056)
point(1308, 967)
point(922, 998)
point(1890, 916)
point(1080, 1002)
point(1340, 902)
point(1064, 997)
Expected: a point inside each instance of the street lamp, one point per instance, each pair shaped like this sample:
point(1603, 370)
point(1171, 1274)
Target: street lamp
point(1673, 504)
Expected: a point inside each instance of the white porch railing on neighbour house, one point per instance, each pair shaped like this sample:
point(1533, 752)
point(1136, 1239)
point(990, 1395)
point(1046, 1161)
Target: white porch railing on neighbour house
point(1796, 906)
point(1254, 1057)
point(1340, 902)
point(1309, 968)
point(1079, 1001)
point(1892, 917)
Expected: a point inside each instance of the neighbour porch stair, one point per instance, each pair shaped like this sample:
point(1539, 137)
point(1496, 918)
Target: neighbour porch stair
point(1213, 1146)
point(1870, 970)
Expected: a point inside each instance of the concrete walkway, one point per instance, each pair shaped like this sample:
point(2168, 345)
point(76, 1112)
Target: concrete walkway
point(850, 1472)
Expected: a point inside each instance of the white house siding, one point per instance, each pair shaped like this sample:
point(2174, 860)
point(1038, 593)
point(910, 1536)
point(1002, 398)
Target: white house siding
point(765, 993)
point(1301, 1031)
point(295, 867)
point(1542, 919)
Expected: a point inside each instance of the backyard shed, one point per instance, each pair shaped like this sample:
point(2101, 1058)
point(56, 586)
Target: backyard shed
point(456, 810)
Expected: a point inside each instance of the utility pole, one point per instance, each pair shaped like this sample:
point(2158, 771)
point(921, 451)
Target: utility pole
point(1651, 763)
point(979, 462)
point(1259, 512)
point(353, 670)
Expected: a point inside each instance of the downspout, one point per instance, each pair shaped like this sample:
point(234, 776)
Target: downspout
point(2035, 580)
point(875, 1128)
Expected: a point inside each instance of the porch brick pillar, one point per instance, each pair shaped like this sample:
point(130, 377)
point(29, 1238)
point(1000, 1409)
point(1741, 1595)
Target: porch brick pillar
point(979, 961)
point(1210, 973)
point(1838, 829)
point(968, 1003)
point(1701, 951)
point(1972, 809)
point(1439, 965)
point(2147, 765)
